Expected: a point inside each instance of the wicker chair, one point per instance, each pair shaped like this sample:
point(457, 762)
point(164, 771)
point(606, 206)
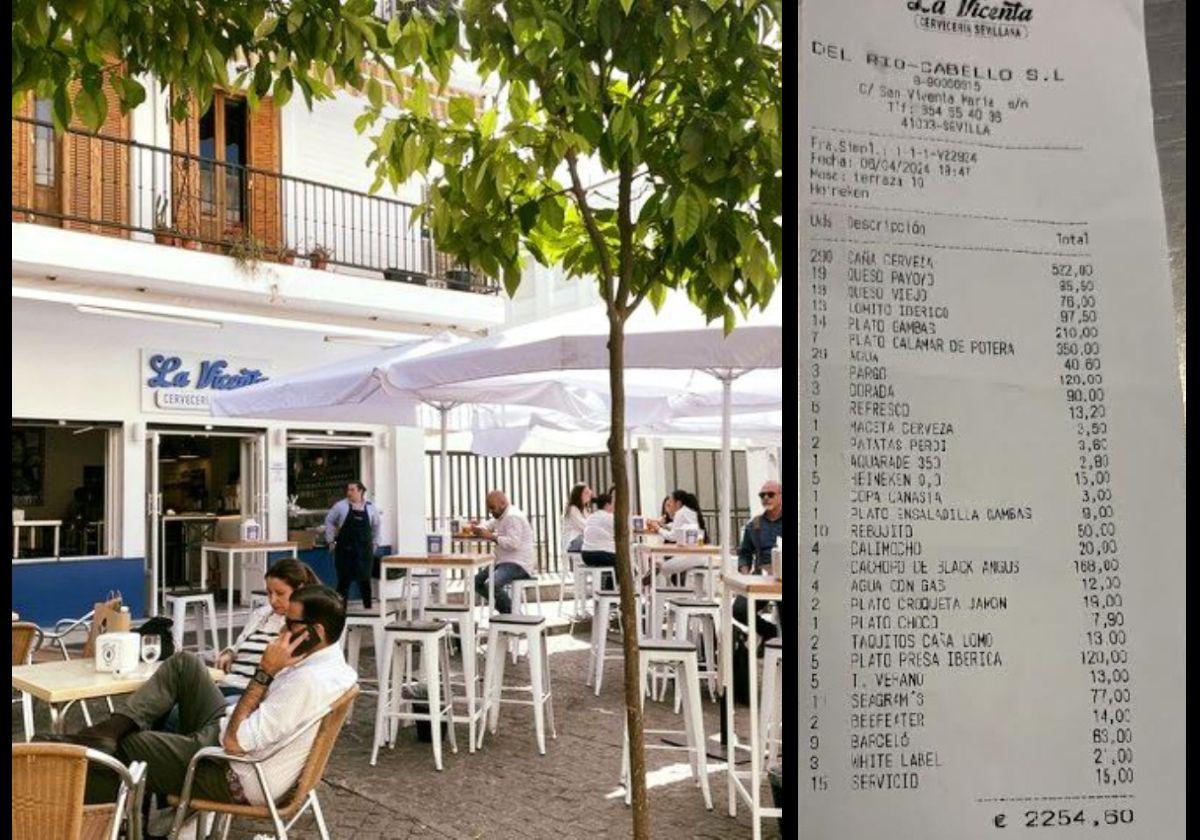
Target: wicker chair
point(48, 783)
point(292, 805)
point(26, 640)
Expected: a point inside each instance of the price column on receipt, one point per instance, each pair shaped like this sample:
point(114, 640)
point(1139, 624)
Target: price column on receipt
point(991, 459)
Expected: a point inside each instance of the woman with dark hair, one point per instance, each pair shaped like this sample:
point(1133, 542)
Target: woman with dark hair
point(599, 547)
point(664, 517)
point(575, 516)
point(684, 508)
point(284, 579)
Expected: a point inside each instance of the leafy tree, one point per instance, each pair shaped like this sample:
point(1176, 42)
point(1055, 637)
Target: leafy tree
point(679, 103)
point(305, 45)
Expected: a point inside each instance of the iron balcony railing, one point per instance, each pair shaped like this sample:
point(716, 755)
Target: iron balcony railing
point(118, 187)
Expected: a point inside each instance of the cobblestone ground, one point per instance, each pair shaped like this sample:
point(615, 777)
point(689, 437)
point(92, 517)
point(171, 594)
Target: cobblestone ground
point(509, 792)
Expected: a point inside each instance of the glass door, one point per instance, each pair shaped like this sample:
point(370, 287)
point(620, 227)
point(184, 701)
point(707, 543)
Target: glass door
point(153, 522)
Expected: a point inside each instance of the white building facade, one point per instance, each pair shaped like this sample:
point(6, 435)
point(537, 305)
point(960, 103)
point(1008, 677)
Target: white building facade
point(155, 262)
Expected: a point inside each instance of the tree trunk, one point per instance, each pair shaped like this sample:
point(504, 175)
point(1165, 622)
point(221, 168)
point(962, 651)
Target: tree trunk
point(625, 581)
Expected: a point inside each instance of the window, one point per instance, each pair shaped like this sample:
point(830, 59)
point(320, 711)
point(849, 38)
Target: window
point(62, 487)
point(317, 478)
point(45, 145)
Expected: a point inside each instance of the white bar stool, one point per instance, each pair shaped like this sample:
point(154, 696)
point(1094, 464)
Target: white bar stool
point(178, 603)
point(399, 637)
point(359, 622)
point(427, 588)
point(462, 624)
point(680, 655)
point(607, 603)
point(517, 590)
point(770, 710)
point(533, 629)
point(695, 620)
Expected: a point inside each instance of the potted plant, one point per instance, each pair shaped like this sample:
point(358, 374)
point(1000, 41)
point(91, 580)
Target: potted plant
point(247, 253)
point(319, 257)
point(164, 232)
point(287, 256)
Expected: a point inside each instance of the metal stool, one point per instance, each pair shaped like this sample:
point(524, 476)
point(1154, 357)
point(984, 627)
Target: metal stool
point(178, 602)
point(433, 638)
point(695, 620)
point(358, 622)
point(458, 618)
point(770, 710)
point(427, 587)
point(606, 603)
point(680, 655)
point(517, 590)
point(533, 629)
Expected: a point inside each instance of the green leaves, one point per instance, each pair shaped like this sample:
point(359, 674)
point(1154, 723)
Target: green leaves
point(91, 106)
point(461, 110)
point(688, 213)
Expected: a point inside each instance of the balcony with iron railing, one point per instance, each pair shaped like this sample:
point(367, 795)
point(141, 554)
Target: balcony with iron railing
point(117, 187)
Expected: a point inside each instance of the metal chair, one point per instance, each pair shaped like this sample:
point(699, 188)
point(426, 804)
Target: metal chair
point(298, 800)
point(48, 784)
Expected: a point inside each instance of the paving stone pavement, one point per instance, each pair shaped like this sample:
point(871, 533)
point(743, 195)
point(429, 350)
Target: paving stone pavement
point(506, 790)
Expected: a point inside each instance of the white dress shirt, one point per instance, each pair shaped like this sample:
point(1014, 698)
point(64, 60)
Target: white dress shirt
point(599, 533)
point(295, 696)
point(514, 539)
point(682, 517)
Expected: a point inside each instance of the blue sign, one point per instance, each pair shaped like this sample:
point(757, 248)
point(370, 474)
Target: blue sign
point(212, 374)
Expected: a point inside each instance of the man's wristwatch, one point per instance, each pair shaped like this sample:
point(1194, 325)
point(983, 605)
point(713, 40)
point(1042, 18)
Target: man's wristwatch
point(262, 677)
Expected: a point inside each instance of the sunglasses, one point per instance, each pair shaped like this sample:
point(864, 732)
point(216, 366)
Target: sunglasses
point(770, 494)
point(300, 622)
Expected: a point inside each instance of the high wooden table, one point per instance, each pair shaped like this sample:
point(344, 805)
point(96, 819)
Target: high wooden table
point(61, 684)
point(745, 783)
point(232, 550)
point(469, 564)
point(654, 555)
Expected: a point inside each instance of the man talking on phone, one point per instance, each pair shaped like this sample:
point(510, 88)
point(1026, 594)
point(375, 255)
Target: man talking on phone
point(301, 673)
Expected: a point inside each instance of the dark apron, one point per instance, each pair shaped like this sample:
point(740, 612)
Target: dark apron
point(354, 550)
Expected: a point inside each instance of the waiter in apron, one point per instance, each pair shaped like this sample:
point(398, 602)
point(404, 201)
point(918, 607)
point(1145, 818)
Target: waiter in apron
point(352, 532)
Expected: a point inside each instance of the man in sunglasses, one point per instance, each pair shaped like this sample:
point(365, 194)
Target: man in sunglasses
point(300, 674)
point(754, 554)
point(761, 532)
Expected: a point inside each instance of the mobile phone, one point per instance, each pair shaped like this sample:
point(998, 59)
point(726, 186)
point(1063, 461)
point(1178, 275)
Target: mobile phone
point(311, 640)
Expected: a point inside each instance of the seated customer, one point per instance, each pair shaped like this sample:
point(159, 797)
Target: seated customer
point(510, 531)
point(300, 674)
point(283, 580)
point(754, 554)
point(575, 516)
point(599, 541)
point(684, 509)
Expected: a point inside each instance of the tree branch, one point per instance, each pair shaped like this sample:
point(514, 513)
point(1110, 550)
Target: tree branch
point(589, 221)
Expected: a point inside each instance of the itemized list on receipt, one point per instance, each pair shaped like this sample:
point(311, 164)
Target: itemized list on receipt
point(991, 453)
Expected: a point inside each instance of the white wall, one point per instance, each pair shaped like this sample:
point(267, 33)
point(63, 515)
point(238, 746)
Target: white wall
point(71, 366)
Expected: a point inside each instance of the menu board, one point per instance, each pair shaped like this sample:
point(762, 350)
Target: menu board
point(991, 453)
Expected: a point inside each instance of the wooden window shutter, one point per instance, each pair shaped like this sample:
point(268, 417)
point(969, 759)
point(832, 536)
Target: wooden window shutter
point(22, 159)
point(185, 172)
point(96, 170)
point(265, 188)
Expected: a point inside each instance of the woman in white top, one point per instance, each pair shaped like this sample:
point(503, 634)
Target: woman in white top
point(684, 508)
point(599, 546)
point(265, 623)
point(575, 517)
